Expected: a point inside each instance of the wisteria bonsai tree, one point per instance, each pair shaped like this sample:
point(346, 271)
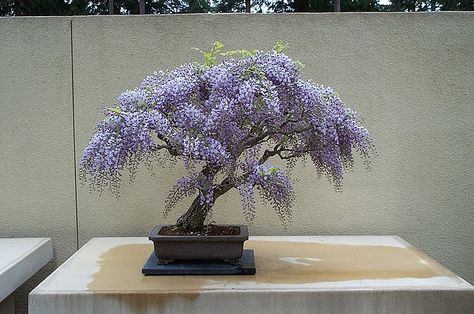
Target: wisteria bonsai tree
point(225, 120)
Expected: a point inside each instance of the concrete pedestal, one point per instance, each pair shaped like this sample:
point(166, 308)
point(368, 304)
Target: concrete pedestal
point(19, 260)
point(348, 274)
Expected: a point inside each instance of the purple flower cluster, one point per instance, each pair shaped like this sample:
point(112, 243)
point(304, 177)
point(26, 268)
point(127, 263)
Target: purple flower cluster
point(228, 119)
point(274, 186)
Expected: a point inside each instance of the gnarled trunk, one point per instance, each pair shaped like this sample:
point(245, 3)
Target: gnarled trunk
point(195, 216)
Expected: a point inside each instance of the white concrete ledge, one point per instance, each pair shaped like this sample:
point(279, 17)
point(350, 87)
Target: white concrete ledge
point(352, 274)
point(20, 258)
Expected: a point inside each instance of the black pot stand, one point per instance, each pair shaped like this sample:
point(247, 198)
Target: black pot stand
point(244, 266)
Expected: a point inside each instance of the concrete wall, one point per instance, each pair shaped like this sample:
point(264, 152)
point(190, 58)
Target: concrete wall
point(409, 75)
point(37, 196)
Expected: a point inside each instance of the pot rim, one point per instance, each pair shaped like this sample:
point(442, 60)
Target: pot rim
point(243, 236)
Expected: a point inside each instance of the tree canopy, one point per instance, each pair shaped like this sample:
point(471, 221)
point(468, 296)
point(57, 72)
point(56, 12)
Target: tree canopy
point(95, 7)
point(224, 121)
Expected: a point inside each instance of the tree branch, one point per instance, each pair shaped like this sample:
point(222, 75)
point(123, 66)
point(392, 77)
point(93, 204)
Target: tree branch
point(229, 182)
point(255, 140)
point(172, 151)
point(269, 153)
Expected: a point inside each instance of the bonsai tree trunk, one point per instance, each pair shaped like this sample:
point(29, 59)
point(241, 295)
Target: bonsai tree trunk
point(194, 218)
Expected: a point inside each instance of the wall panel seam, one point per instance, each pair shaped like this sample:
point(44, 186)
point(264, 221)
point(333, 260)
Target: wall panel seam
point(74, 135)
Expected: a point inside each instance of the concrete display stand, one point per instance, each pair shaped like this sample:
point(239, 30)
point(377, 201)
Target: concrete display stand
point(19, 259)
point(347, 274)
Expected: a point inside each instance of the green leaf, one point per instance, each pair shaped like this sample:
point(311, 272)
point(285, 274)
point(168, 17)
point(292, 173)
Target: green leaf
point(299, 65)
point(279, 46)
point(115, 110)
point(142, 104)
point(229, 53)
point(274, 170)
point(218, 46)
point(246, 53)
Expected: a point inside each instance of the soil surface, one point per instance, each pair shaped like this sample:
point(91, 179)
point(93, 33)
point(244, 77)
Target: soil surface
point(209, 230)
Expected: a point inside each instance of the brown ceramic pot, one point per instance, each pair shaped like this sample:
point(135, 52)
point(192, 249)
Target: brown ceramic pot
point(198, 247)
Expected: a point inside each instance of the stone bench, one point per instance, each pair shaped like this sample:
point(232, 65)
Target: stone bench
point(20, 258)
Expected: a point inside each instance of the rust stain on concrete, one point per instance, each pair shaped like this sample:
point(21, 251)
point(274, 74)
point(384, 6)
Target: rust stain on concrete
point(121, 269)
point(120, 278)
point(278, 262)
point(309, 262)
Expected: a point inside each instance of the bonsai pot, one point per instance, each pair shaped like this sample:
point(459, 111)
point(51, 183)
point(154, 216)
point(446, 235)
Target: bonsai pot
point(198, 247)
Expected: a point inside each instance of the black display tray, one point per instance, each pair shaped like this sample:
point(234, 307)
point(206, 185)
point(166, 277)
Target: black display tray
point(245, 266)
